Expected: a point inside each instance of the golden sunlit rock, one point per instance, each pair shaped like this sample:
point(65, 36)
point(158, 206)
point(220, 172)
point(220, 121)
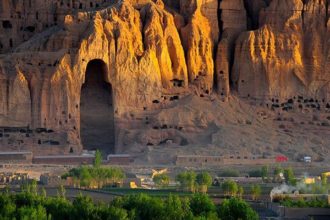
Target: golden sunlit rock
point(140, 74)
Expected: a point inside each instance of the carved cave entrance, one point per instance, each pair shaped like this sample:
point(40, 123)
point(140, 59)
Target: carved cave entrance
point(96, 109)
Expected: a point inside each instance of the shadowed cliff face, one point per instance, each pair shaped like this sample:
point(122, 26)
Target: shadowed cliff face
point(155, 53)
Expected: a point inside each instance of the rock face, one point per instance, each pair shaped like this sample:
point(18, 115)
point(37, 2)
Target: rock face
point(288, 55)
point(197, 41)
point(149, 54)
point(233, 21)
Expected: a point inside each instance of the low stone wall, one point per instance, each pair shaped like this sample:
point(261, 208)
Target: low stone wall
point(16, 157)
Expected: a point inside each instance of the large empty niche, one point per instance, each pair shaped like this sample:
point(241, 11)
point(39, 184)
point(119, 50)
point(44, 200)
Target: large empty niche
point(96, 109)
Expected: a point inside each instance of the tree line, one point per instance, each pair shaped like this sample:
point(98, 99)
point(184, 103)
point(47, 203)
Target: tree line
point(95, 177)
point(31, 205)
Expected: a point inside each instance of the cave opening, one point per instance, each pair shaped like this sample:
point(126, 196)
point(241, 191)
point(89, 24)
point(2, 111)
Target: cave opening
point(96, 109)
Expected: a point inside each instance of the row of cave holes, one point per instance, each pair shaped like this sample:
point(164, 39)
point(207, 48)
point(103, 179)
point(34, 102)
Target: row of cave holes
point(65, 121)
point(91, 5)
point(165, 126)
point(50, 142)
point(50, 65)
point(309, 103)
point(177, 83)
point(172, 98)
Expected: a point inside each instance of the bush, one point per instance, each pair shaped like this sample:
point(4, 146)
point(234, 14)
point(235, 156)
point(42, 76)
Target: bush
point(27, 205)
point(255, 192)
point(235, 208)
point(229, 187)
point(255, 173)
point(204, 180)
point(289, 176)
point(161, 180)
point(95, 177)
point(230, 173)
point(187, 180)
point(202, 205)
point(302, 203)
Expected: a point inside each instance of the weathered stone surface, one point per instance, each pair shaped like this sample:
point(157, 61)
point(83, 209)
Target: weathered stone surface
point(161, 36)
point(209, 9)
point(288, 55)
point(233, 23)
point(196, 39)
point(156, 56)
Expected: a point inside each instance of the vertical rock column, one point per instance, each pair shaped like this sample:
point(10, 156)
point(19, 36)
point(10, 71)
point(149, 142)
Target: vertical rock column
point(197, 41)
point(233, 22)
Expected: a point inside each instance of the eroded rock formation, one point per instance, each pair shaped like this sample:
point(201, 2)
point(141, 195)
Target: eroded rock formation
point(288, 55)
point(154, 53)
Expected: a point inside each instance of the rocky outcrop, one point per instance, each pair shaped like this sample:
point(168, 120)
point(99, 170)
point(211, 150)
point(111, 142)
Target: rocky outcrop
point(196, 39)
point(233, 20)
point(288, 55)
point(161, 36)
point(208, 8)
point(152, 53)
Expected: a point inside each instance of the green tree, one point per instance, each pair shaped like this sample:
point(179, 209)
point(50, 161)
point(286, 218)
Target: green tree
point(204, 180)
point(229, 187)
point(289, 176)
point(176, 208)
point(85, 177)
point(59, 208)
point(43, 192)
point(83, 208)
point(32, 213)
point(61, 191)
point(255, 192)
point(141, 206)
point(240, 191)
point(229, 173)
point(235, 208)
point(111, 213)
point(187, 180)
point(324, 179)
point(7, 207)
point(202, 205)
point(98, 159)
point(264, 172)
point(161, 180)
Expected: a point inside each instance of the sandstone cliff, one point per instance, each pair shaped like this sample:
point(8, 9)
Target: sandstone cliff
point(154, 54)
point(288, 55)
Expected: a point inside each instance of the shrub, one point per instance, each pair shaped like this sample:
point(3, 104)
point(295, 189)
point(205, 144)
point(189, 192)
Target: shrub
point(201, 205)
point(229, 187)
point(204, 180)
point(187, 180)
point(255, 173)
point(161, 180)
point(255, 192)
point(235, 208)
point(96, 177)
point(230, 173)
